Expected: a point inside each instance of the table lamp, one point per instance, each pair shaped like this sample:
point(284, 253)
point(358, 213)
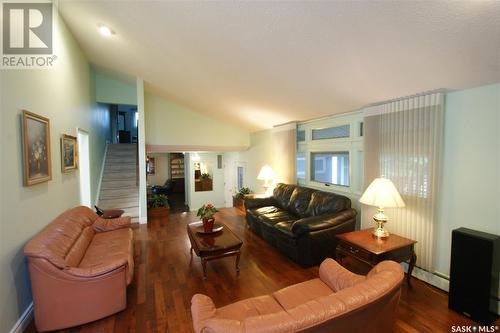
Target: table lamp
point(266, 174)
point(381, 193)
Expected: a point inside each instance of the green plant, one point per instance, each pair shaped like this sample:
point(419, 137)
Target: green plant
point(205, 176)
point(242, 192)
point(207, 211)
point(158, 201)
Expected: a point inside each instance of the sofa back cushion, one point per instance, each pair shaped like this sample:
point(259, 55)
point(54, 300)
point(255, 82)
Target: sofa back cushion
point(299, 200)
point(56, 241)
point(323, 203)
point(282, 194)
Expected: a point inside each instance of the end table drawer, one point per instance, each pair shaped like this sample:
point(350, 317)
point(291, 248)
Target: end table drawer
point(355, 251)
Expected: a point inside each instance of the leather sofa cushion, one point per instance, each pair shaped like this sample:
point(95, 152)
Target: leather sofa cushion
point(256, 306)
point(299, 201)
point(293, 296)
point(282, 194)
point(280, 216)
point(263, 210)
point(323, 203)
point(110, 246)
point(55, 242)
point(285, 228)
point(75, 255)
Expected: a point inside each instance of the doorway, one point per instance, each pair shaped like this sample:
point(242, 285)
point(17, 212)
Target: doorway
point(84, 167)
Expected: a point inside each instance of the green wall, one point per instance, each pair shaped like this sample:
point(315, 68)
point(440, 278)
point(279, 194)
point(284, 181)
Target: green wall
point(114, 91)
point(64, 94)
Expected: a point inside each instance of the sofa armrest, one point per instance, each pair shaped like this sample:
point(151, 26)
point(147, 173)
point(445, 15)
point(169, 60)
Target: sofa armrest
point(96, 270)
point(202, 309)
point(336, 276)
point(315, 223)
point(103, 225)
point(257, 201)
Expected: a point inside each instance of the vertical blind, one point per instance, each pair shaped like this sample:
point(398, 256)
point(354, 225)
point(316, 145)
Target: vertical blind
point(403, 143)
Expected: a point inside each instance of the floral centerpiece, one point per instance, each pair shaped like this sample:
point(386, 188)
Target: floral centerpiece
point(206, 212)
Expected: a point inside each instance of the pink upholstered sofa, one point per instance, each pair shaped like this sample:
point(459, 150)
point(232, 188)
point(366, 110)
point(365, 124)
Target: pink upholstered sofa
point(337, 301)
point(80, 266)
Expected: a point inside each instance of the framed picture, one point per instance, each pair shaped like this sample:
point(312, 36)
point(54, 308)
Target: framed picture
point(150, 165)
point(36, 148)
point(69, 153)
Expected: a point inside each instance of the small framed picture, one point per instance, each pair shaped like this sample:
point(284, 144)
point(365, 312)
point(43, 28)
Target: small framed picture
point(36, 148)
point(69, 153)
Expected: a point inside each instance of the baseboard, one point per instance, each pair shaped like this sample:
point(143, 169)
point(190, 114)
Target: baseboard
point(23, 321)
point(143, 219)
point(98, 195)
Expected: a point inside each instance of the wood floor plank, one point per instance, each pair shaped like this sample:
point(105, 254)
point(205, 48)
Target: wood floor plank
point(167, 276)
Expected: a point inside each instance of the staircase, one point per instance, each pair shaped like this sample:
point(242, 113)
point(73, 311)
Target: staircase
point(119, 189)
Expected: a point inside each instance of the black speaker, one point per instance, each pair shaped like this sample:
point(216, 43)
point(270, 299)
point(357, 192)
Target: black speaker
point(474, 277)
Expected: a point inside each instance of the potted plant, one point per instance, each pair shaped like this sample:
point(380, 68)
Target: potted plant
point(238, 198)
point(206, 182)
point(158, 205)
point(206, 212)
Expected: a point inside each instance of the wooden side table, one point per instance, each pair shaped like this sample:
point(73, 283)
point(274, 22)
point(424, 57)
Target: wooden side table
point(364, 248)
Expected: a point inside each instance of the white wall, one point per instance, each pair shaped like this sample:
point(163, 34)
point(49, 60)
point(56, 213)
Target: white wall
point(161, 169)
point(216, 196)
point(255, 157)
point(64, 94)
point(470, 187)
point(170, 124)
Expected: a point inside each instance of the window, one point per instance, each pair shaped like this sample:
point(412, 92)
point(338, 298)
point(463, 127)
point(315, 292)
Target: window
point(301, 136)
point(331, 132)
point(240, 177)
point(330, 168)
point(301, 166)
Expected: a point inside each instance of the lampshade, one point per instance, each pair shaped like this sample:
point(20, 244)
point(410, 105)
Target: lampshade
point(382, 193)
point(266, 173)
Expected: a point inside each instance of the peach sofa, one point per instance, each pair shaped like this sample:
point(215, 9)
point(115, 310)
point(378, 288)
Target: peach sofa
point(80, 266)
point(337, 301)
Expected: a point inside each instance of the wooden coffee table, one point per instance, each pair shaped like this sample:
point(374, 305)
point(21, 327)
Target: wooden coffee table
point(369, 250)
point(214, 246)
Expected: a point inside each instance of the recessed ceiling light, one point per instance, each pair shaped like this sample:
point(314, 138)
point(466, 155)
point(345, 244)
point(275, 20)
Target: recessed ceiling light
point(106, 31)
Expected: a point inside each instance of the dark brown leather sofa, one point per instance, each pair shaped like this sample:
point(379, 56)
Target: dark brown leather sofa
point(80, 266)
point(301, 222)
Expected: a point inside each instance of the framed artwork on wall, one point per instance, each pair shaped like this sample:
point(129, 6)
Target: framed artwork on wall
point(69, 153)
point(36, 148)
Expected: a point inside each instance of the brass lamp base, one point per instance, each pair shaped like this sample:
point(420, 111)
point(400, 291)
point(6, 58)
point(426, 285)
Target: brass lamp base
point(380, 218)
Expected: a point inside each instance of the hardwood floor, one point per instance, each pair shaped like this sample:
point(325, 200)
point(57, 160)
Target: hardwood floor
point(166, 277)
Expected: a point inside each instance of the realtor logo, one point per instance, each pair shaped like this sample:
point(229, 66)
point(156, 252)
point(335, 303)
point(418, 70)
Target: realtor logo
point(27, 35)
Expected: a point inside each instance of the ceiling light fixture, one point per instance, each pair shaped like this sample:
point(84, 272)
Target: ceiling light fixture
point(106, 31)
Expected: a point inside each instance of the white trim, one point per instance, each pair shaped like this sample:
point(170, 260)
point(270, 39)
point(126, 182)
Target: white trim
point(23, 321)
point(143, 219)
point(98, 194)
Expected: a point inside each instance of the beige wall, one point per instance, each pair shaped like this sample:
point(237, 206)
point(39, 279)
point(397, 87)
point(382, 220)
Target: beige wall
point(171, 124)
point(161, 169)
point(64, 94)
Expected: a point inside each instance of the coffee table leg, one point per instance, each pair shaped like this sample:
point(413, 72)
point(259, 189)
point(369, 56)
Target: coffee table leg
point(204, 264)
point(238, 262)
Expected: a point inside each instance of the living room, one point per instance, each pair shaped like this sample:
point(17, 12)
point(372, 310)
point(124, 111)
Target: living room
point(326, 96)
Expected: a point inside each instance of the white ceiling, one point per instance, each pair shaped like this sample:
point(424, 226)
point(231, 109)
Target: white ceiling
point(258, 64)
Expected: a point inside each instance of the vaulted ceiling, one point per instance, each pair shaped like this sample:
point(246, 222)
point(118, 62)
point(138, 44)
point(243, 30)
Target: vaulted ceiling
point(257, 64)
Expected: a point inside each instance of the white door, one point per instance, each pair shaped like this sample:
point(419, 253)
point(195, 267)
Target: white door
point(84, 167)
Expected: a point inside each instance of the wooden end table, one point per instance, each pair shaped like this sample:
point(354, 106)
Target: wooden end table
point(214, 246)
point(369, 250)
